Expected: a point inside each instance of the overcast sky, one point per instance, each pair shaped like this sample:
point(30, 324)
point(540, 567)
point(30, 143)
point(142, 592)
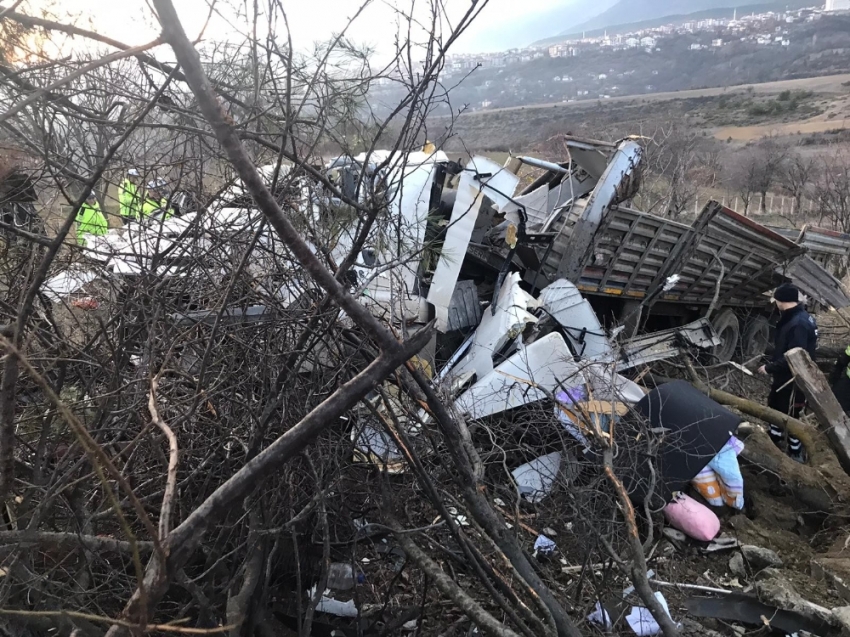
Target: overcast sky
point(310, 20)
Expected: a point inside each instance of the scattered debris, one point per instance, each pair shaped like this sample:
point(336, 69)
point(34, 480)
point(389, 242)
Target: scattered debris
point(544, 547)
point(748, 609)
point(692, 518)
point(631, 588)
point(460, 519)
point(640, 620)
point(781, 593)
point(720, 543)
point(375, 446)
point(760, 558)
point(601, 617)
point(535, 479)
point(674, 535)
point(67, 283)
point(341, 576)
point(86, 303)
point(572, 236)
point(332, 606)
point(835, 571)
point(737, 565)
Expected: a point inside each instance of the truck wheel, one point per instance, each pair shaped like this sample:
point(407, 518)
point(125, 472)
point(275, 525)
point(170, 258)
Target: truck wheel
point(728, 329)
point(756, 337)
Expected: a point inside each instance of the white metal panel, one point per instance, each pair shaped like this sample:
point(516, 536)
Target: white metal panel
point(523, 379)
point(494, 331)
point(573, 312)
point(498, 184)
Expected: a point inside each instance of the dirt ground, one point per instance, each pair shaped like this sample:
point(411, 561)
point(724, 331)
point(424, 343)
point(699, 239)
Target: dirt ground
point(819, 124)
point(825, 84)
point(772, 519)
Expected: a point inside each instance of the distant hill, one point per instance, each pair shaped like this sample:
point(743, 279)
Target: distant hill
point(559, 16)
point(631, 12)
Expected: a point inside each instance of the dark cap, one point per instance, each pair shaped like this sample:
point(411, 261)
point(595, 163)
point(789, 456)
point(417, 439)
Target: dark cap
point(787, 293)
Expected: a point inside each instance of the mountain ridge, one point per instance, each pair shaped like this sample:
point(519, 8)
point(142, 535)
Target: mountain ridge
point(564, 16)
point(627, 12)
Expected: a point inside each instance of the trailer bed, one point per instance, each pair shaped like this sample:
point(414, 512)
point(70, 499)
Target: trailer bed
point(723, 254)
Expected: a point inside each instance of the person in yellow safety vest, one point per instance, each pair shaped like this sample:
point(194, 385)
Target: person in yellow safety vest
point(129, 197)
point(840, 380)
point(90, 220)
point(155, 199)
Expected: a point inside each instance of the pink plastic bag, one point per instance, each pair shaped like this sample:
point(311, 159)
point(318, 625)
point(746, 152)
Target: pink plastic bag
point(692, 518)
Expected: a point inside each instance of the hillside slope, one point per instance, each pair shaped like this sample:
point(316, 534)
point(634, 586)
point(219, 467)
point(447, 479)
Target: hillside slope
point(631, 11)
point(559, 17)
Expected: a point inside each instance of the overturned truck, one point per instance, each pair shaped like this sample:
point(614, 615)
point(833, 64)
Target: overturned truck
point(461, 240)
point(639, 271)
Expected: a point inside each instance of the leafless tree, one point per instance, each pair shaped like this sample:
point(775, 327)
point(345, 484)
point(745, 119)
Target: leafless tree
point(180, 437)
point(754, 170)
point(676, 169)
point(832, 190)
point(797, 177)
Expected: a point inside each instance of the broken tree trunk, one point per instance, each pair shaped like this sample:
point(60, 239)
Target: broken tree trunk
point(794, 427)
point(823, 402)
point(821, 485)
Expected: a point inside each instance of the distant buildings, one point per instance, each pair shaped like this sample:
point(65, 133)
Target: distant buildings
point(605, 65)
point(564, 51)
point(837, 5)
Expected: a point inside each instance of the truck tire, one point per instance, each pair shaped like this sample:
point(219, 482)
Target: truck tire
point(728, 328)
point(756, 337)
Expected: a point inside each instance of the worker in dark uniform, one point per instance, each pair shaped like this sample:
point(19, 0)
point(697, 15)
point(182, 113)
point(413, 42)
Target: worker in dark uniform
point(796, 328)
point(840, 380)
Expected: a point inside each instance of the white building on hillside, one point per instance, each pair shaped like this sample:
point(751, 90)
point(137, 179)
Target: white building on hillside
point(837, 5)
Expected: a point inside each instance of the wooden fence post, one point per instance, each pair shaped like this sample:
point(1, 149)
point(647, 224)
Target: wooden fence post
point(823, 402)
